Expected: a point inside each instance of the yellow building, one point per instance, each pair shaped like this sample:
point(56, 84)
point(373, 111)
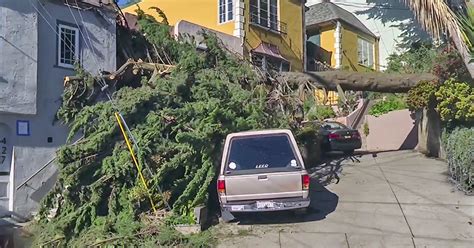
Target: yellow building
point(337, 38)
point(271, 31)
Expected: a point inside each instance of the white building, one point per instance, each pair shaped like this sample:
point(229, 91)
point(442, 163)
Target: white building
point(39, 43)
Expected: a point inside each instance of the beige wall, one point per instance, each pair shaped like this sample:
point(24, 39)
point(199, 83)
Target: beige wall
point(396, 130)
point(429, 133)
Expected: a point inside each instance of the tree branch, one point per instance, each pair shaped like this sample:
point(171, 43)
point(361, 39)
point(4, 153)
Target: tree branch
point(128, 70)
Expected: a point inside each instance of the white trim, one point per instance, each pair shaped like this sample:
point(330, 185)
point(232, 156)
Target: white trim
point(305, 59)
point(337, 45)
point(60, 41)
point(371, 49)
point(11, 193)
point(239, 18)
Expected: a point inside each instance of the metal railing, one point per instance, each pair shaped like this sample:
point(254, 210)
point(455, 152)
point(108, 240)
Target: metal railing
point(267, 23)
point(316, 65)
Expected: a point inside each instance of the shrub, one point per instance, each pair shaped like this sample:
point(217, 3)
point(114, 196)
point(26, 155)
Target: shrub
point(459, 146)
point(455, 101)
point(422, 95)
point(320, 112)
point(309, 143)
point(389, 104)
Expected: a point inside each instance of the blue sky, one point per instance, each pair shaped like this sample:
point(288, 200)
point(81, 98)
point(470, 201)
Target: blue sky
point(121, 2)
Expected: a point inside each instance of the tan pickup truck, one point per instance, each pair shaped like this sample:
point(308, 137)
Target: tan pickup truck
point(262, 171)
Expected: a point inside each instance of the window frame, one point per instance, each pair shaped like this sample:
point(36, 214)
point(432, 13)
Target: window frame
point(268, 18)
point(266, 61)
point(365, 50)
point(60, 27)
point(228, 11)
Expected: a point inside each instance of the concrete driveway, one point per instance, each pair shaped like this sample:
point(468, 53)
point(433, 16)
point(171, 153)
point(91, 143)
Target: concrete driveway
point(396, 199)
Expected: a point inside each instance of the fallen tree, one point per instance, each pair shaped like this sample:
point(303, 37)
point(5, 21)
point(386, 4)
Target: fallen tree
point(358, 81)
point(179, 114)
point(348, 80)
point(129, 71)
point(178, 121)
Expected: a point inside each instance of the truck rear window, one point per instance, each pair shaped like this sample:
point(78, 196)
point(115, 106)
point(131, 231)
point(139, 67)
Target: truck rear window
point(261, 152)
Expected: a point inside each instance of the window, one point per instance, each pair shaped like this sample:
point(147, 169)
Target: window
point(261, 152)
point(68, 46)
point(264, 13)
point(270, 63)
point(226, 10)
point(333, 126)
point(365, 52)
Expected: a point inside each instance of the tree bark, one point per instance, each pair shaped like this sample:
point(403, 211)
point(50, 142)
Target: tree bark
point(358, 81)
point(463, 52)
point(348, 80)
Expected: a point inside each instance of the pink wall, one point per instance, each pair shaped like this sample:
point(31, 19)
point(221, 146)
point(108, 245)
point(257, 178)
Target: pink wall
point(395, 130)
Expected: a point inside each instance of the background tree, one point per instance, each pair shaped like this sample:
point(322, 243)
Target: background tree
point(439, 19)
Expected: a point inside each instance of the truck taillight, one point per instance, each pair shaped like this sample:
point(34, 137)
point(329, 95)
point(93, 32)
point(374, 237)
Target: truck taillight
point(305, 181)
point(221, 186)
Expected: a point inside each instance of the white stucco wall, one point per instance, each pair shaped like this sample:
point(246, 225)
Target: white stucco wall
point(28, 64)
point(18, 58)
point(388, 32)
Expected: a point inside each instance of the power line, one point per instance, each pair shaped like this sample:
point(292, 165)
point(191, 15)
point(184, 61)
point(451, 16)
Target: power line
point(101, 81)
point(104, 86)
point(115, 106)
point(367, 6)
point(49, 24)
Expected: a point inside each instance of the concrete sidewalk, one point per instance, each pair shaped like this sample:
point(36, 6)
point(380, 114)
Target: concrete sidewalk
point(397, 199)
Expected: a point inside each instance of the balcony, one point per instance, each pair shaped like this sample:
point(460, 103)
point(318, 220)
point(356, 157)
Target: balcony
point(318, 58)
point(316, 65)
point(268, 24)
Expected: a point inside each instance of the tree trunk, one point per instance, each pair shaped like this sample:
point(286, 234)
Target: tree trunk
point(348, 80)
point(464, 52)
point(358, 81)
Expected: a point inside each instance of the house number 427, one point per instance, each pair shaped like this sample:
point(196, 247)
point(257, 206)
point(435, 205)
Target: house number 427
point(3, 150)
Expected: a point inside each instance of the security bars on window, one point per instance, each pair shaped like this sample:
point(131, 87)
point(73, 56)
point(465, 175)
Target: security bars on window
point(68, 46)
point(265, 14)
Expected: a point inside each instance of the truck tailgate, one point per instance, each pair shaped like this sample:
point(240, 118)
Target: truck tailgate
point(264, 186)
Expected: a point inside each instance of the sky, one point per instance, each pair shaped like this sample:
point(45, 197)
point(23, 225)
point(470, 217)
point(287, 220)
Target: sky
point(121, 2)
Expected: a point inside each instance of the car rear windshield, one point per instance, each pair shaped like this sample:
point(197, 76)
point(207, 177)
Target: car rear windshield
point(333, 126)
point(261, 153)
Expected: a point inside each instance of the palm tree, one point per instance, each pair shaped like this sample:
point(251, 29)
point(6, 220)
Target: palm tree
point(438, 19)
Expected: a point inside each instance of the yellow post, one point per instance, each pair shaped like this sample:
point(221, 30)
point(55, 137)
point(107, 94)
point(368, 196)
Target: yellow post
point(135, 161)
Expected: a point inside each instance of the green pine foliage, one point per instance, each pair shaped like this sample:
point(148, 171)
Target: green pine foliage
point(179, 123)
